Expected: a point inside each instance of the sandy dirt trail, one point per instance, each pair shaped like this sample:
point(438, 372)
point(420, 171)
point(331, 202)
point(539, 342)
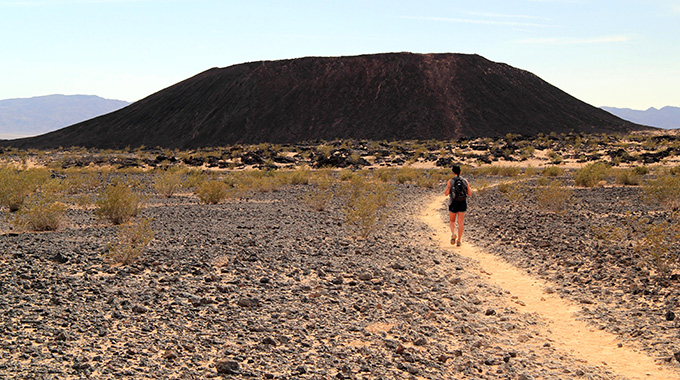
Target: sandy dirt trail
point(528, 294)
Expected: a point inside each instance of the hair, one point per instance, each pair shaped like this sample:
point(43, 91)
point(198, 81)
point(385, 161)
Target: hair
point(455, 169)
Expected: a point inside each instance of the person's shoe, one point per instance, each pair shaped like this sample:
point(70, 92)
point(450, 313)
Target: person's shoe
point(458, 243)
point(453, 239)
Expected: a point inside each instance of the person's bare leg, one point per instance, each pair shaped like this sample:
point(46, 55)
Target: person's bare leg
point(461, 219)
point(452, 225)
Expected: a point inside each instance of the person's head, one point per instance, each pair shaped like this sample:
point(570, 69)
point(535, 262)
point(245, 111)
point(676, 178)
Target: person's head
point(455, 169)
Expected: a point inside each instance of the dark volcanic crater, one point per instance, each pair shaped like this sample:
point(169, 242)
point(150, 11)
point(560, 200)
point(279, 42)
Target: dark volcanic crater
point(397, 96)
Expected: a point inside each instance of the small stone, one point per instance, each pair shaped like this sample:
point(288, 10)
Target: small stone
point(400, 349)
point(677, 356)
point(139, 309)
point(170, 355)
point(269, 341)
point(248, 302)
point(365, 276)
point(490, 312)
point(301, 370)
point(670, 315)
point(227, 367)
point(420, 341)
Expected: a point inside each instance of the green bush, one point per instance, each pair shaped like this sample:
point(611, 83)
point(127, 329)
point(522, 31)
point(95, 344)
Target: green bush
point(592, 174)
point(118, 203)
point(133, 239)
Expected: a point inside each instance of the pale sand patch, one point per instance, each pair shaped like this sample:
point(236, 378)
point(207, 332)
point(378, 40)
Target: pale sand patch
point(528, 294)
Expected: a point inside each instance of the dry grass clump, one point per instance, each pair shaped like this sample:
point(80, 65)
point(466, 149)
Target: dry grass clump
point(592, 174)
point(499, 170)
point(658, 243)
point(168, 182)
point(552, 171)
point(515, 191)
point(321, 194)
point(554, 196)
point(664, 190)
point(365, 205)
point(133, 238)
point(41, 211)
point(16, 185)
point(213, 191)
point(80, 180)
point(627, 177)
point(118, 203)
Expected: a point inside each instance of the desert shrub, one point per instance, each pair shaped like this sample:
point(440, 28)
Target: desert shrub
point(428, 179)
point(592, 174)
point(193, 178)
point(80, 180)
point(515, 191)
point(405, 174)
point(259, 181)
point(627, 177)
point(133, 238)
point(641, 170)
point(553, 197)
point(554, 157)
point(346, 175)
point(299, 176)
point(365, 205)
point(552, 171)
point(530, 171)
point(41, 212)
point(658, 243)
point(213, 191)
point(118, 203)
point(664, 190)
point(320, 194)
point(168, 182)
point(384, 174)
point(16, 185)
point(500, 170)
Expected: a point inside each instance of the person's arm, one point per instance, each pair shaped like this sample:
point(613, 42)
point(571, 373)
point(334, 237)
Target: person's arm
point(469, 190)
point(448, 188)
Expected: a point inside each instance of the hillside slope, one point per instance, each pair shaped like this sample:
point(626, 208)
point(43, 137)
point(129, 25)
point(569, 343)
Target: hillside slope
point(381, 97)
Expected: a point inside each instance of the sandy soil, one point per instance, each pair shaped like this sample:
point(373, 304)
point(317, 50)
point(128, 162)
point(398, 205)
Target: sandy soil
point(567, 333)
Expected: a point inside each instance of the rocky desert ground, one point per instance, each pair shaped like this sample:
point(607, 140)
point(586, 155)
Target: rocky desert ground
point(263, 285)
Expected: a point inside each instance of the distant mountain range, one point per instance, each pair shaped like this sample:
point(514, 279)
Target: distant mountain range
point(41, 114)
point(666, 117)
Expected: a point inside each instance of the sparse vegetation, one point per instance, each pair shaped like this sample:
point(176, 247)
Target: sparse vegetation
point(213, 191)
point(118, 203)
point(133, 238)
point(168, 182)
point(592, 174)
point(553, 197)
point(664, 190)
point(41, 212)
point(365, 205)
point(16, 185)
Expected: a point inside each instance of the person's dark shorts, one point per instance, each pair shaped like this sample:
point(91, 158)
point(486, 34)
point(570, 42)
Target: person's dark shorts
point(458, 206)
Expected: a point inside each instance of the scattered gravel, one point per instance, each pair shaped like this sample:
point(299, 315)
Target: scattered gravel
point(266, 287)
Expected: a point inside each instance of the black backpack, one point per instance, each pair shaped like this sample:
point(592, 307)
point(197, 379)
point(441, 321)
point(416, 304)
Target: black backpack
point(458, 189)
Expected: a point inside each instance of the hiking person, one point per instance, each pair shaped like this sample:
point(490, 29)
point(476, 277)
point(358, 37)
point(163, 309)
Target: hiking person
point(457, 189)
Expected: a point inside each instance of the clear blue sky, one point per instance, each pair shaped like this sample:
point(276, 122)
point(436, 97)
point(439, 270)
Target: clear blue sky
point(622, 53)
